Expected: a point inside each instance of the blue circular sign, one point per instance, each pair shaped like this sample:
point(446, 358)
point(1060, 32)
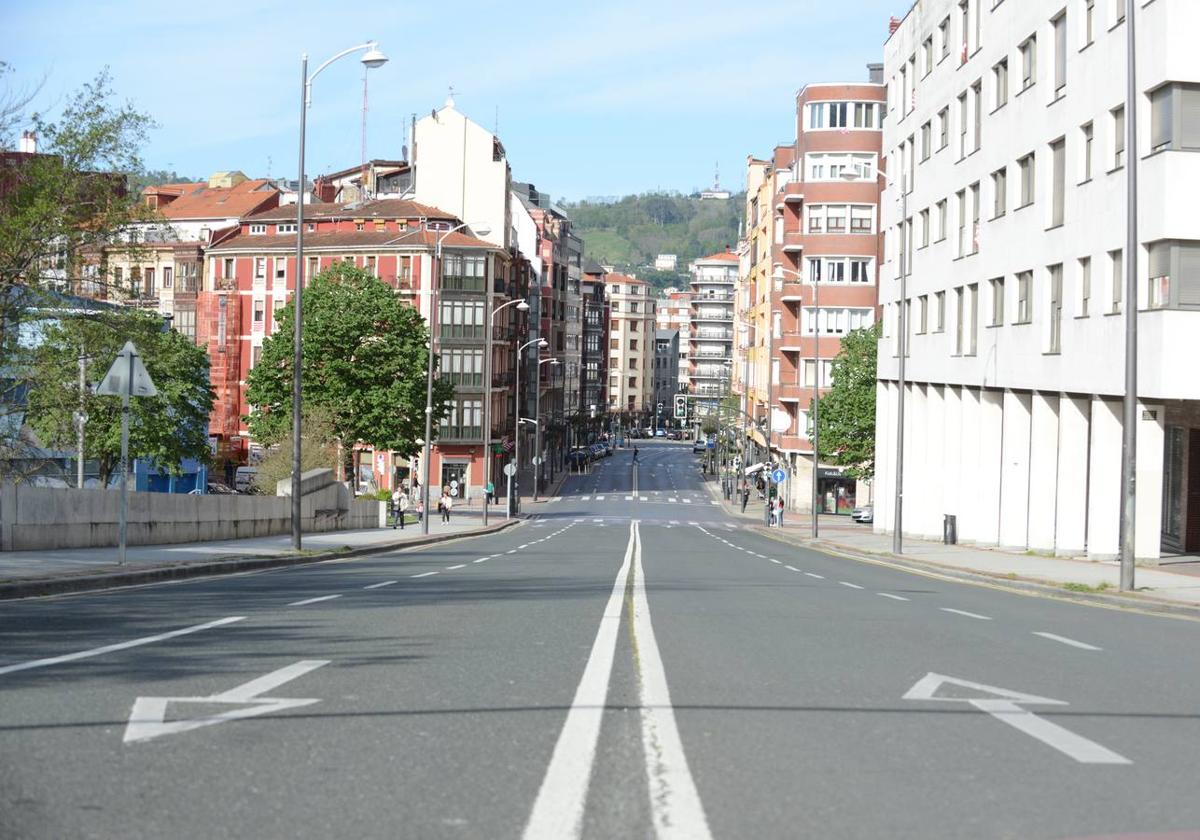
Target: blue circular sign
point(778, 475)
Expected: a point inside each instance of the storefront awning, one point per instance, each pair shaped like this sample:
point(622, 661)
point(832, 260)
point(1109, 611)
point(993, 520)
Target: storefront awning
point(754, 468)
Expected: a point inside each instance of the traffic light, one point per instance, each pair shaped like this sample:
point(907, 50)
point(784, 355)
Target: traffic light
point(681, 406)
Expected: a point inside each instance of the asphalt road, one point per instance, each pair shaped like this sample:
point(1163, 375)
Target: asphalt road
point(630, 664)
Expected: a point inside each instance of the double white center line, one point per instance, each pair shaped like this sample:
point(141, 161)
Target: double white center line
point(674, 803)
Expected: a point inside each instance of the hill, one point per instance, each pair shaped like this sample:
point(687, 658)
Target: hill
point(630, 232)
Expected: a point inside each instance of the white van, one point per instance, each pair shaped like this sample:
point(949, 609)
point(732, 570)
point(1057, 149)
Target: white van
point(244, 478)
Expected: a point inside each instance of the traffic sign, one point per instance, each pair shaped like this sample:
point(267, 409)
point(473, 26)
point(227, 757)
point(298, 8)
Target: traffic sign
point(127, 376)
point(510, 469)
point(778, 475)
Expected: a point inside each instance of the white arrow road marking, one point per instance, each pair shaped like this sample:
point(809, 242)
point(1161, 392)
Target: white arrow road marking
point(1005, 706)
point(147, 720)
point(144, 640)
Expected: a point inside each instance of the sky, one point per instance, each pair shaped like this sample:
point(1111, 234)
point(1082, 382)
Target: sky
point(591, 97)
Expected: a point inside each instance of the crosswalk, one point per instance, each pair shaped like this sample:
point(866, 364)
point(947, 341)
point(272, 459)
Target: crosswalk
point(670, 497)
point(604, 521)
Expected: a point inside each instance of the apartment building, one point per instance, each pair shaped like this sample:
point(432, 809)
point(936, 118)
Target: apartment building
point(631, 345)
point(1006, 133)
point(710, 333)
point(673, 311)
point(665, 376)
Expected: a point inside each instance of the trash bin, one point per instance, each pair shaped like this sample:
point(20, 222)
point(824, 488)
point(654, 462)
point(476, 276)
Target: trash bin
point(950, 529)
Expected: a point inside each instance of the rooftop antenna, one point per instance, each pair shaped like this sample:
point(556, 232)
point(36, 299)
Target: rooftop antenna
point(450, 97)
point(496, 125)
point(717, 177)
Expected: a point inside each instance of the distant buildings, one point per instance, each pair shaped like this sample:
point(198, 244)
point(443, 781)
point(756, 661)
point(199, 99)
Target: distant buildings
point(666, 262)
point(631, 346)
point(710, 334)
point(665, 376)
point(673, 311)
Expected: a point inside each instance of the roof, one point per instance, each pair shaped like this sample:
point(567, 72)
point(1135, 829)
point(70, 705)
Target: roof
point(201, 202)
point(422, 238)
point(378, 164)
point(720, 256)
point(388, 208)
point(614, 277)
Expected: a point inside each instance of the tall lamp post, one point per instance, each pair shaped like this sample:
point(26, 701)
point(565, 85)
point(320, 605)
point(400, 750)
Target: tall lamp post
point(537, 431)
point(854, 174)
point(521, 306)
point(540, 342)
point(780, 271)
point(1129, 413)
point(371, 59)
point(434, 282)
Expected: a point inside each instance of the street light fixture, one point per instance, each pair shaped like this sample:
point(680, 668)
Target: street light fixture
point(371, 59)
point(540, 342)
point(780, 272)
point(521, 306)
point(854, 174)
point(537, 432)
point(435, 280)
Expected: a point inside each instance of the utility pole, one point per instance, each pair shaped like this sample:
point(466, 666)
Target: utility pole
point(80, 418)
point(1129, 413)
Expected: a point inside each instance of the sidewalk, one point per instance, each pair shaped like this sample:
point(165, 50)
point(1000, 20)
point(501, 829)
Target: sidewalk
point(24, 573)
point(1176, 582)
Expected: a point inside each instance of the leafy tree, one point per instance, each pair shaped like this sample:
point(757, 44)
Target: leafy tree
point(318, 448)
point(168, 427)
point(846, 416)
point(65, 203)
point(364, 364)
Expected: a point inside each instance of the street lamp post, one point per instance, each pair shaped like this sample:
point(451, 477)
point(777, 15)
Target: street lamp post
point(537, 430)
point(521, 306)
point(1129, 404)
point(434, 282)
point(371, 59)
point(540, 342)
point(853, 174)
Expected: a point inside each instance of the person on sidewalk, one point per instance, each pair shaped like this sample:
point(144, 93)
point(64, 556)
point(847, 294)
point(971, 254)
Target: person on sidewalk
point(779, 512)
point(745, 495)
point(401, 500)
point(420, 510)
point(447, 503)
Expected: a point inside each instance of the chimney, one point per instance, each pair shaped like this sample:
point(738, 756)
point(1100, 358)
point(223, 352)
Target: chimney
point(323, 190)
point(893, 25)
point(28, 143)
point(875, 73)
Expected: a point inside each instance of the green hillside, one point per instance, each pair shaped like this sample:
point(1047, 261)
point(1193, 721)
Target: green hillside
point(629, 233)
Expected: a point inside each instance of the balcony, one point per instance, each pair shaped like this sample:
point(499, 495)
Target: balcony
point(714, 372)
point(792, 193)
point(793, 242)
point(713, 315)
point(713, 355)
point(700, 300)
point(710, 334)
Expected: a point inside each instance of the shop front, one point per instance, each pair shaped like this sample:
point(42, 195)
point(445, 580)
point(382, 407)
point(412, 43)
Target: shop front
point(836, 492)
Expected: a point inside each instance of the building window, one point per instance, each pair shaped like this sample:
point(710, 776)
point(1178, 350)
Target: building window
point(1117, 287)
point(227, 268)
point(999, 192)
point(1024, 297)
point(944, 36)
point(371, 265)
point(1086, 132)
point(314, 267)
point(939, 307)
point(943, 219)
point(943, 128)
point(461, 318)
point(259, 311)
point(974, 191)
point(280, 270)
point(924, 228)
point(1175, 117)
point(1174, 274)
point(997, 286)
point(285, 228)
point(922, 314)
point(1026, 166)
point(1089, 22)
point(962, 126)
point(962, 223)
point(960, 304)
point(926, 141)
point(258, 229)
point(464, 272)
point(1056, 306)
point(1000, 78)
point(1118, 123)
point(977, 100)
point(462, 366)
point(1060, 53)
point(927, 56)
point(166, 277)
point(185, 322)
point(1085, 286)
point(1028, 50)
point(1058, 173)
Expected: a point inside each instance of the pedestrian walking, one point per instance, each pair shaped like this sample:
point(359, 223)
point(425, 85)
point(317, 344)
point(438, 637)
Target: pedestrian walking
point(745, 495)
point(420, 509)
point(779, 512)
point(401, 509)
point(446, 504)
point(635, 454)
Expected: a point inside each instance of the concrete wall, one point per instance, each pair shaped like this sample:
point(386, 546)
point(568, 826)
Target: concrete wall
point(34, 518)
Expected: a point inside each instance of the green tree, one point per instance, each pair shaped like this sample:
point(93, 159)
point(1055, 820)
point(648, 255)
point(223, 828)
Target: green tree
point(168, 427)
point(58, 207)
point(364, 364)
point(318, 449)
point(846, 416)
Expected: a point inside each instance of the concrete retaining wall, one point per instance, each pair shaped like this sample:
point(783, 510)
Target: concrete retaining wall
point(34, 518)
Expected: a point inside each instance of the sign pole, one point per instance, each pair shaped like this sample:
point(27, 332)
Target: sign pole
point(125, 463)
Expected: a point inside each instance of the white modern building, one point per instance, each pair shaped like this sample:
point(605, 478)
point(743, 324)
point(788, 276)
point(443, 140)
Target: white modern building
point(1006, 128)
point(710, 337)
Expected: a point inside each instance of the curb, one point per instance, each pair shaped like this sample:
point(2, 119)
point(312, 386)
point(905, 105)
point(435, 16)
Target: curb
point(1133, 601)
point(37, 587)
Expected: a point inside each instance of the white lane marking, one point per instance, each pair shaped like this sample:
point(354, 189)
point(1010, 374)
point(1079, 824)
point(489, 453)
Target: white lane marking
point(600, 498)
point(585, 498)
point(674, 521)
point(100, 651)
point(644, 499)
point(558, 810)
point(791, 568)
point(629, 498)
point(1056, 638)
point(423, 574)
point(675, 803)
point(453, 568)
point(313, 600)
point(511, 551)
point(848, 583)
point(381, 585)
point(967, 614)
point(715, 502)
point(481, 559)
point(523, 546)
point(147, 719)
point(672, 501)
point(813, 575)
point(776, 562)
point(687, 501)
point(890, 595)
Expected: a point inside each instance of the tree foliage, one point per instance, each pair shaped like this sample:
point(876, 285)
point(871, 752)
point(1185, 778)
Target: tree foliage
point(846, 416)
point(168, 427)
point(318, 449)
point(69, 200)
point(364, 364)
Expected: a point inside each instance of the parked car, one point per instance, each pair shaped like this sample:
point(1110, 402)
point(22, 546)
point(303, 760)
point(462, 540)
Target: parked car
point(577, 458)
point(243, 479)
point(660, 433)
point(608, 448)
point(700, 446)
point(675, 434)
point(214, 488)
point(864, 514)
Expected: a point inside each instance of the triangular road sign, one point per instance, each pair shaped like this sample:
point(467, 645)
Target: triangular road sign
point(122, 378)
point(928, 686)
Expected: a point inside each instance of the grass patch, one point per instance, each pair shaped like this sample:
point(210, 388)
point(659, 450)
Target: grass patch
point(1083, 587)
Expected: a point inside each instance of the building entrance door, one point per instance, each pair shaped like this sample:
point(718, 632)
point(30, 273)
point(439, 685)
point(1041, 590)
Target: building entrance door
point(454, 480)
point(1191, 540)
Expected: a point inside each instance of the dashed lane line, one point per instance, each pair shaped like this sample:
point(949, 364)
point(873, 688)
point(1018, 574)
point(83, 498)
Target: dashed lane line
point(381, 584)
point(890, 595)
point(452, 568)
point(308, 601)
point(1064, 640)
point(848, 583)
point(967, 614)
point(423, 574)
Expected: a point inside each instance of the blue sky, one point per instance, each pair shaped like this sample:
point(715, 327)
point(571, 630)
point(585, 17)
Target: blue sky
point(593, 98)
